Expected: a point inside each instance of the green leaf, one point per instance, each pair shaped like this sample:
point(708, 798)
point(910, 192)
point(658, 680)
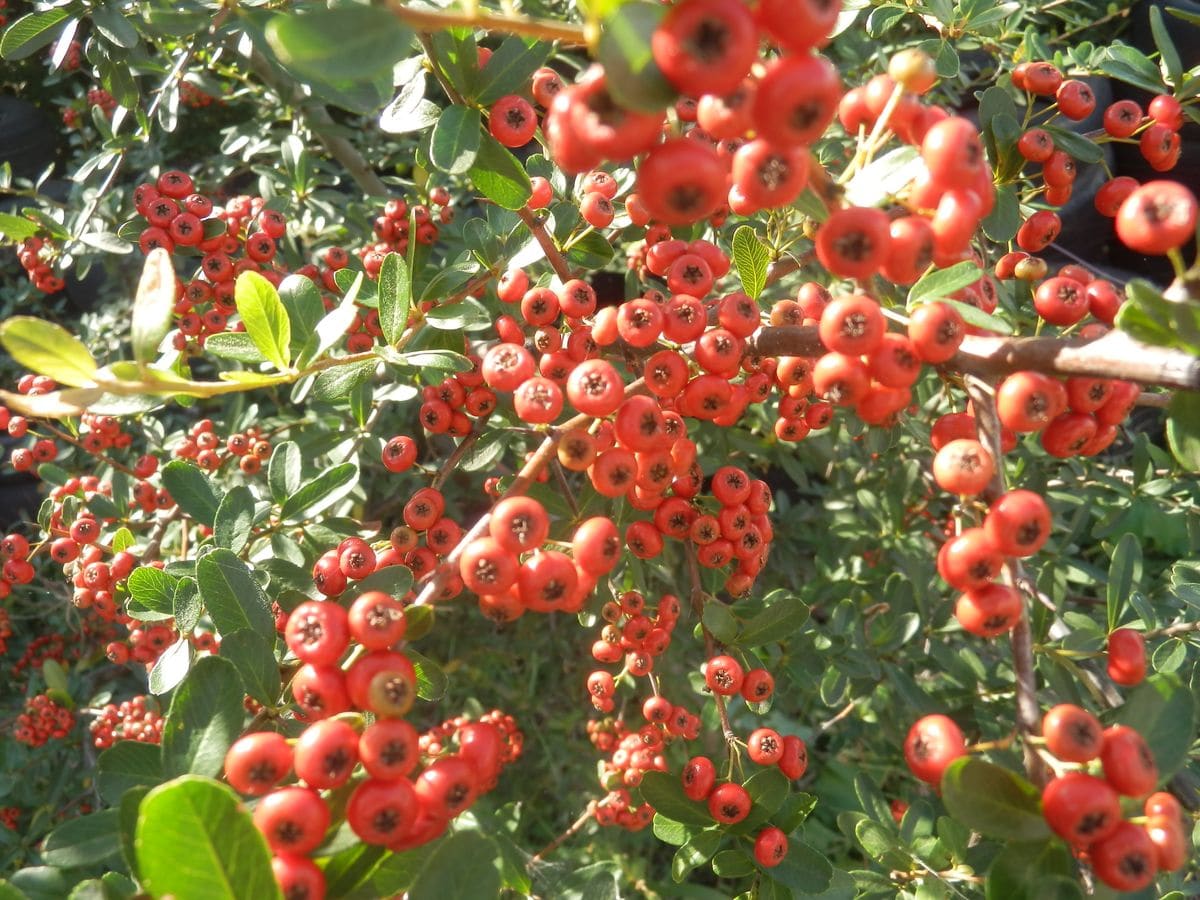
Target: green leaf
point(235, 345)
point(48, 349)
point(187, 605)
point(499, 176)
point(82, 841)
point(395, 580)
point(171, 667)
point(467, 314)
point(344, 43)
point(320, 492)
point(32, 32)
point(992, 800)
point(205, 718)
point(750, 258)
point(16, 228)
point(887, 175)
point(1124, 575)
point(804, 870)
point(395, 296)
point(695, 853)
point(633, 77)
point(115, 28)
point(333, 325)
point(152, 592)
point(284, 471)
point(194, 839)
point(592, 251)
point(254, 658)
point(1162, 710)
point(663, 791)
point(973, 315)
point(265, 317)
point(336, 384)
point(1183, 428)
point(1083, 149)
point(352, 868)
point(191, 490)
point(431, 680)
point(1026, 871)
point(125, 765)
point(233, 598)
point(510, 68)
point(785, 615)
point(720, 622)
point(733, 864)
point(669, 831)
point(463, 865)
point(455, 140)
point(1148, 316)
point(939, 284)
point(1004, 220)
point(1166, 47)
point(305, 309)
point(234, 518)
point(409, 110)
point(1130, 65)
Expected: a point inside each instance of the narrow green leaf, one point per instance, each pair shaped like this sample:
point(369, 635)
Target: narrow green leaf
point(336, 384)
point(194, 839)
point(395, 296)
point(48, 349)
point(785, 615)
point(191, 489)
point(265, 317)
point(283, 472)
point(395, 580)
point(1124, 575)
point(939, 284)
point(204, 719)
point(993, 800)
point(254, 658)
point(153, 305)
point(233, 598)
point(234, 519)
point(1081, 148)
point(751, 259)
point(455, 140)
point(305, 309)
point(499, 176)
point(32, 32)
point(332, 326)
point(431, 680)
point(187, 605)
point(1166, 47)
point(113, 25)
point(338, 44)
point(320, 492)
point(698, 850)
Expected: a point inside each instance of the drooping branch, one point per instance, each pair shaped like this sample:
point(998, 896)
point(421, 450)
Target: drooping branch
point(1115, 355)
point(430, 20)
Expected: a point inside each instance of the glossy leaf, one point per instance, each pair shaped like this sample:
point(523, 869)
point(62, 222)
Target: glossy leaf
point(750, 258)
point(320, 492)
point(395, 296)
point(265, 317)
point(335, 44)
point(233, 598)
point(993, 800)
point(463, 865)
point(663, 791)
point(499, 176)
point(82, 841)
point(204, 719)
point(194, 839)
point(455, 140)
point(125, 765)
point(192, 490)
point(32, 32)
point(633, 77)
point(254, 658)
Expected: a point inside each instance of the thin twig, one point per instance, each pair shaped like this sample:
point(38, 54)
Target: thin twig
point(574, 828)
point(506, 23)
point(554, 256)
point(107, 460)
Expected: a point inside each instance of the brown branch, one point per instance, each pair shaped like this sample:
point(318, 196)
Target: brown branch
point(452, 461)
point(1021, 639)
point(553, 255)
point(573, 829)
point(507, 23)
point(1115, 355)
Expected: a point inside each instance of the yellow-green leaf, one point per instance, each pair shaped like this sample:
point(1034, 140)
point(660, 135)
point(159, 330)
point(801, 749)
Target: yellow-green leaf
point(48, 349)
point(265, 317)
point(153, 305)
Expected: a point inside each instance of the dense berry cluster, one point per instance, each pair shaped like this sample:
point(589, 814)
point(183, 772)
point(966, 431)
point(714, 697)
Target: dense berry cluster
point(37, 256)
point(43, 719)
point(136, 719)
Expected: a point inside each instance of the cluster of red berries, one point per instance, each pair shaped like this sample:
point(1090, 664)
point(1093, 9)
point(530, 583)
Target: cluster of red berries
point(1085, 809)
point(40, 450)
point(132, 720)
point(204, 446)
point(103, 99)
point(37, 256)
point(446, 408)
point(10, 816)
point(637, 635)
point(194, 96)
point(389, 806)
point(6, 630)
point(394, 223)
point(37, 651)
point(352, 560)
point(16, 567)
point(42, 720)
